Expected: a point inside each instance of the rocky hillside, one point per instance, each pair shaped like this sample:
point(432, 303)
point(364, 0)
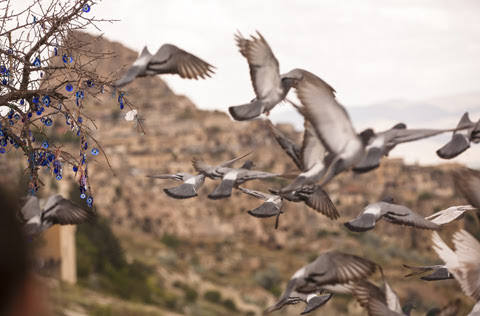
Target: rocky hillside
point(218, 246)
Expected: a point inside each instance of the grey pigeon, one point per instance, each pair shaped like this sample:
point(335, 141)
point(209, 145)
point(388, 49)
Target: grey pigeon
point(57, 210)
point(467, 181)
point(450, 214)
point(328, 270)
point(330, 121)
point(169, 59)
point(271, 207)
point(466, 132)
point(393, 213)
point(231, 177)
point(270, 88)
point(191, 183)
point(310, 160)
point(312, 300)
point(440, 272)
point(463, 263)
point(380, 144)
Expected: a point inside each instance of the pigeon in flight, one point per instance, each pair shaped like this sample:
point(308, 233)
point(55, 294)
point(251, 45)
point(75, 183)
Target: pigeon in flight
point(440, 272)
point(463, 263)
point(465, 132)
point(57, 210)
point(270, 88)
point(231, 177)
point(330, 121)
point(467, 181)
point(312, 300)
point(380, 144)
point(450, 214)
point(325, 273)
point(169, 59)
point(395, 214)
point(191, 183)
point(271, 207)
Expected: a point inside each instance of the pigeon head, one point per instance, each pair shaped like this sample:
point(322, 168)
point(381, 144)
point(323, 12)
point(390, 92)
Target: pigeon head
point(407, 308)
point(388, 199)
point(400, 126)
point(366, 135)
point(248, 165)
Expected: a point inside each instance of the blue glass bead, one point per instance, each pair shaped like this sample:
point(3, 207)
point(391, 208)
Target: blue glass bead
point(83, 195)
point(56, 163)
point(89, 205)
point(69, 87)
point(94, 151)
point(41, 75)
point(56, 51)
point(10, 51)
point(29, 114)
point(121, 106)
point(67, 59)
point(80, 120)
point(2, 150)
point(35, 99)
point(42, 109)
point(86, 8)
point(79, 94)
point(37, 62)
point(11, 122)
point(90, 83)
point(75, 168)
point(1, 133)
point(3, 69)
point(58, 177)
point(45, 144)
point(17, 116)
point(59, 106)
point(46, 100)
point(4, 82)
point(33, 139)
point(89, 200)
point(16, 146)
point(22, 102)
point(48, 122)
point(3, 142)
point(55, 170)
point(39, 112)
point(78, 133)
point(34, 19)
point(86, 145)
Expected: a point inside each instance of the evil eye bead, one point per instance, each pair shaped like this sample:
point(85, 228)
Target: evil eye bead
point(75, 168)
point(39, 112)
point(94, 151)
point(58, 177)
point(86, 8)
point(35, 99)
point(46, 100)
point(80, 120)
point(90, 83)
point(29, 114)
point(90, 200)
point(17, 116)
point(83, 195)
point(10, 51)
point(79, 94)
point(55, 51)
point(48, 122)
point(69, 87)
point(2, 150)
point(67, 59)
point(37, 62)
point(22, 102)
point(4, 82)
point(45, 144)
point(3, 69)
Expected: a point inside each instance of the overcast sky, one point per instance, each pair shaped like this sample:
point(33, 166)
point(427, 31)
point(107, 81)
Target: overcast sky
point(370, 51)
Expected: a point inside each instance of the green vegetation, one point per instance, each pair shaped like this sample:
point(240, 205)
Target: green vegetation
point(212, 296)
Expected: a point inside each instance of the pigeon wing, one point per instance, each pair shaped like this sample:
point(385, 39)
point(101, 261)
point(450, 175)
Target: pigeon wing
point(171, 59)
point(138, 68)
point(467, 249)
point(65, 212)
point(264, 68)
point(467, 182)
point(31, 208)
point(290, 148)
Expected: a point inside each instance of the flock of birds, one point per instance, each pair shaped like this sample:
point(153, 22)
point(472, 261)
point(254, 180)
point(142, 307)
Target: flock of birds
point(330, 146)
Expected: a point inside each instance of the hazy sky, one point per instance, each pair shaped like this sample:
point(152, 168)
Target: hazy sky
point(370, 51)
